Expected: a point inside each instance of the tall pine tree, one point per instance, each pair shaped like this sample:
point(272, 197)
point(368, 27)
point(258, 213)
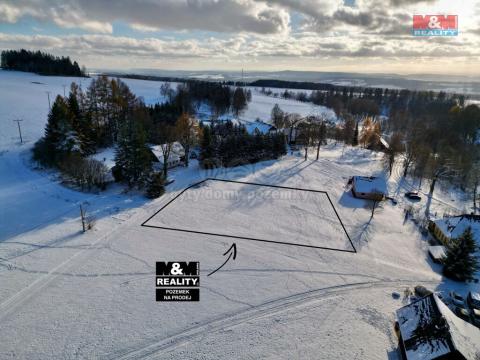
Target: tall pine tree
point(81, 121)
point(60, 137)
point(133, 157)
point(460, 262)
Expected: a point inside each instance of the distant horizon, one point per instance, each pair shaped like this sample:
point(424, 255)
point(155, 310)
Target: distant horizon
point(256, 71)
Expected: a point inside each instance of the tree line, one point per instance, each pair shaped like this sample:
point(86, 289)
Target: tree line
point(228, 145)
point(435, 135)
point(107, 114)
point(40, 63)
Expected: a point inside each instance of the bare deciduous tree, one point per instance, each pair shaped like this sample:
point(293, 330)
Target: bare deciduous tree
point(187, 132)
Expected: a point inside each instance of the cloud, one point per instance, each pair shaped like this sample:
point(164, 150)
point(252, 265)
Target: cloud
point(211, 15)
point(9, 14)
point(243, 31)
point(352, 17)
point(234, 48)
point(399, 3)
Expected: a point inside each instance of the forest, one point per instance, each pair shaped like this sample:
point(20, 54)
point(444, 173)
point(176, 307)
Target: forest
point(435, 135)
point(40, 63)
point(108, 114)
point(227, 145)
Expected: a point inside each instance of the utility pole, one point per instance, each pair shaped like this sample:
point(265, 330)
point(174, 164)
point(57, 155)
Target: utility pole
point(64, 86)
point(19, 130)
point(82, 216)
point(48, 95)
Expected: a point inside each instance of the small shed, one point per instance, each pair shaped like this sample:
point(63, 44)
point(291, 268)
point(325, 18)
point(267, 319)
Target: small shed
point(369, 187)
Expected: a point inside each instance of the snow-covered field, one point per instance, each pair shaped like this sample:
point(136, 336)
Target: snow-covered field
point(66, 295)
point(313, 221)
point(261, 107)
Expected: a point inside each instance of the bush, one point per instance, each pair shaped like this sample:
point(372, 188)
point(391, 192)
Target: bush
point(117, 173)
point(210, 163)
point(85, 173)
point(41, 153)
point(155, 186)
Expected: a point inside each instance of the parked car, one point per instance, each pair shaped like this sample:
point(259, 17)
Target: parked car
point(422, 291)
point(476, 317)
point(413, 195)
point(473, 300)
point(462, 313)
point(457, 299)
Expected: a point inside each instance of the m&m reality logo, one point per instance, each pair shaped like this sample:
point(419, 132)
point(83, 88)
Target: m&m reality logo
point(435, 25)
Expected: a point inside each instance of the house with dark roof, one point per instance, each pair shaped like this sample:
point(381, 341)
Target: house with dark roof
point(453, 227)
point(430, 330)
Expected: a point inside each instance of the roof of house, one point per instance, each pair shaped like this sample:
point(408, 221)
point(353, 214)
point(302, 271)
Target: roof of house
point(106, 156)
point(437, 251)
point(455, 226)
point(176, 153)
point(430, 329)
point(370, 184)
point(260, 126)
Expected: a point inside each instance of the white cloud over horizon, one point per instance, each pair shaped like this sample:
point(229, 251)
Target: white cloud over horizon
point(257, 34)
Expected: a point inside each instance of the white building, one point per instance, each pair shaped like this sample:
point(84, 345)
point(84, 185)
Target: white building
point(454, 227)
point(369, 187)
point(175, 158)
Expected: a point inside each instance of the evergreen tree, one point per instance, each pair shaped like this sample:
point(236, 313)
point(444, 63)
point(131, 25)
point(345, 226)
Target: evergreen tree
point(461, 262)
point(133, 157)
point(38, 62)
point(239, 102)
point(155, 186)
point(80, 122)
point(207, 150)
point(60, 137)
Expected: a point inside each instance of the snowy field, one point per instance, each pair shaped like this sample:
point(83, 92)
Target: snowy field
point(258, 212)
point(261, 107)
point(68, 295)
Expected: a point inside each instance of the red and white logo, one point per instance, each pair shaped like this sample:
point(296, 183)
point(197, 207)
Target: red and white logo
point(435, 25)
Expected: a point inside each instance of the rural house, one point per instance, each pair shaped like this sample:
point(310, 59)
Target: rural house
point(175, 158)
point(430, 330)
point(371, 188)
point(453, 227)
point(259, 128)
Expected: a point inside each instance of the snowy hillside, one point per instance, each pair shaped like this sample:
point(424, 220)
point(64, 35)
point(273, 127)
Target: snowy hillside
point(261, 107)
point(66, 295)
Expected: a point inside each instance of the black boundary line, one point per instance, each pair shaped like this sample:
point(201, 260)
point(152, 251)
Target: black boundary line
point(249, 238)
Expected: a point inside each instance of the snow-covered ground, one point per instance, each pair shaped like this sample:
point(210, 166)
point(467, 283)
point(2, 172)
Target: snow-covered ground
point(67, 295)
point(261, 107)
